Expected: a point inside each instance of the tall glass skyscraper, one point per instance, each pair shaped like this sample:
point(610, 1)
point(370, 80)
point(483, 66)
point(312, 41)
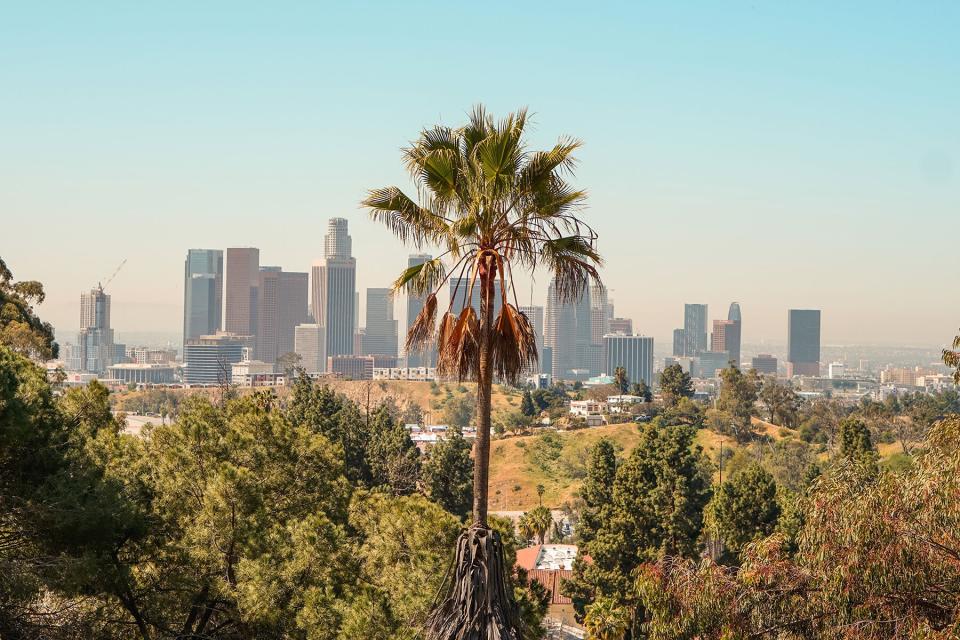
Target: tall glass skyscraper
point(333, 295)
point(202, 292)
point(569, 334)
point(695, 328)
point(803, 342)
point(380, 336)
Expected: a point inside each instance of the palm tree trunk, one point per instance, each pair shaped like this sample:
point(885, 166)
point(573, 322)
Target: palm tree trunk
point(481, 452)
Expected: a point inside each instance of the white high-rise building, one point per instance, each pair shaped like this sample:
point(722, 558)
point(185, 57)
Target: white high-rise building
point(380, 334)
point(310, 345)
point(333, 290)
point(95, 342)
point(568, 333)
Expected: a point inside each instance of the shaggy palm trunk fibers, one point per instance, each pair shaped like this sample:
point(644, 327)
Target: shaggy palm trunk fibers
point(478, 603)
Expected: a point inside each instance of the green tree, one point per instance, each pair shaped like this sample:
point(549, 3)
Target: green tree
point(491, 204)
point(875, 558)
point(393, 457)
point(620, 380)
point(526, 405)
point(856, 443)
point(675, 384)
point(738, 395)
point(597, 488)
point(744, 509)
point(447, 474)
point(20, 328)
point(535, 524)
point(606, 619)
point(656, 510)
point(951, 358)
point(403, 550)
point(781, 401)
point(642, 390)
point(459, 411)
point(320, 409)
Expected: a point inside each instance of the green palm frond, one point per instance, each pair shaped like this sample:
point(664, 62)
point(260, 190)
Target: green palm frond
point(406, 219)
point(421, 279)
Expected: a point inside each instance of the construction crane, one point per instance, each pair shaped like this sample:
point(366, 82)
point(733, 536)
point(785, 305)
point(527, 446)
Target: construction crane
point(112, 276)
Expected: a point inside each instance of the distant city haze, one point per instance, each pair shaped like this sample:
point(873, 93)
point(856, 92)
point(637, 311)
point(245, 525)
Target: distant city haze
point(741, 152)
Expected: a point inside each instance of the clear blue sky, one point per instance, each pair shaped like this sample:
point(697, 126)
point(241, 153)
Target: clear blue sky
point(779, 154)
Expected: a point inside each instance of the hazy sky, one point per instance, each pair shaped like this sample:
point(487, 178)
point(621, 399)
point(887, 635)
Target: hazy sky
point(779, 154)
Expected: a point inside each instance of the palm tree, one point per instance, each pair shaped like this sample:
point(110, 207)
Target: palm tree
point(490, 205)
point(605, 620)
point(620, 379)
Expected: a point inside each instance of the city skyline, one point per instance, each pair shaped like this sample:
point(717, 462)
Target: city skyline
point(822, 181)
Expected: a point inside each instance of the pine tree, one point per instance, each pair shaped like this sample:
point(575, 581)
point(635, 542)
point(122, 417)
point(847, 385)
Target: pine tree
point(744, 509)
point(447, 474)
point(655, 509)
point(527, 407)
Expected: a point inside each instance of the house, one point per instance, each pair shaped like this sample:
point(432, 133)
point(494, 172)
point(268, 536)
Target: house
point(549, 564)
point(621, 403)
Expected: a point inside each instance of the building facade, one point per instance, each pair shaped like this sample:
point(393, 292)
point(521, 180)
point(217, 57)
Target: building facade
point(695, 328)
point(202, 293)
point(765, 364)
point(380, 333)
point(95, 348)
point(241, 287)
point(621, 325)
point(351, 367)
point(283, 306)
point(568, 334)
point(633, 353)
point(803, 342)
point(209, 359)
point(333, 295)
point(726, 337)
point(310, 345)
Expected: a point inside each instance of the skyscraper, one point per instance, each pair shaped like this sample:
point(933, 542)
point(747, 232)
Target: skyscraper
point(803, 342)
point(309, 345)
point(95, 342)
point(208, 359)
point(380, 336)
point(679, 343)
point(726, 337)
point(621, 325)
point(282, 306)
point(695, 328)
point(427, 356)
point(333, 295)
point(568, 334)
point(735, 337)
point(241, 287)
point(202, 292)
point(633, 353)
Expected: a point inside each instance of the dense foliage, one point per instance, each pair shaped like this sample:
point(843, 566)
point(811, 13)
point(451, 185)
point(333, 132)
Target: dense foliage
point(252, 518)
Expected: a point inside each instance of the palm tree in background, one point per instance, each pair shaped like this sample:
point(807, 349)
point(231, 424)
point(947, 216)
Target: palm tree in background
point(490, 205)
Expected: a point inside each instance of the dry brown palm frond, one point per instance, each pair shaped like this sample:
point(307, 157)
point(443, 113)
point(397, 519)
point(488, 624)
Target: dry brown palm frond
point(514, 343)
point(421, 332)
point(447, 324)
point(459, 349)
